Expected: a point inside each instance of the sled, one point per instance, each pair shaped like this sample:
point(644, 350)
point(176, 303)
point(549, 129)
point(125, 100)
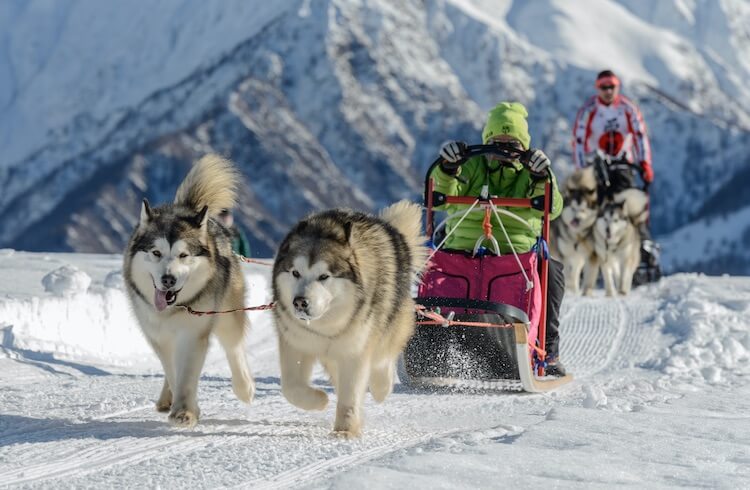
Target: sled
point(481, 317)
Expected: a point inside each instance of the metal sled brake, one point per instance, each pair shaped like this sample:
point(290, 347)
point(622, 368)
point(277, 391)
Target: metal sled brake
point(483, 318)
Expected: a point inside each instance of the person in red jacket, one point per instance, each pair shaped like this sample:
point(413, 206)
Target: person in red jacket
point(613, 124)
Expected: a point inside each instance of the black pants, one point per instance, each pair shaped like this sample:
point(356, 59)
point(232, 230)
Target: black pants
point(555, 293)
point(617, 180)
point(620, 179)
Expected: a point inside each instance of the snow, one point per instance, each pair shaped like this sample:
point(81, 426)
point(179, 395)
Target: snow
point(66, 281)
point(714, 236)
point(62, 75)
point(660, 399)
point(638, 49)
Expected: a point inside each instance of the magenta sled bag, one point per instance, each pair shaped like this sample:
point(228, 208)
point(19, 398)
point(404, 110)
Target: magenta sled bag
point(487, 278)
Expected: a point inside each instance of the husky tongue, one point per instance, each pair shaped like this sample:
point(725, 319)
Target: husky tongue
point(160, 299)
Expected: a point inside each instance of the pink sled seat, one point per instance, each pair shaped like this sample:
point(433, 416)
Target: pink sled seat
point(487, 278)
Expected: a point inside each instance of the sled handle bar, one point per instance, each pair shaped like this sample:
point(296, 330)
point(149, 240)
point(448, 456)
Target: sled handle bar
point(498, 149)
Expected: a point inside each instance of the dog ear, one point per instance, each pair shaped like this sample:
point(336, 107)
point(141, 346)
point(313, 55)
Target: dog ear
point(201, 218)
point(348, 231)
point(147, 213)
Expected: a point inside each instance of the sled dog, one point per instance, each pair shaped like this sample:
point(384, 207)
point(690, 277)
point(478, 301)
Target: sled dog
point(617, 240)
point(178, 256)
point(342, 288)
point(573, 241)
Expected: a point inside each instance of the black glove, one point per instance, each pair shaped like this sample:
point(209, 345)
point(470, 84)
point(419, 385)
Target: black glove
point(453, 154)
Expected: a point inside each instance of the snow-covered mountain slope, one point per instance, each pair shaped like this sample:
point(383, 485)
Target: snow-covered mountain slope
point(344, 102)
point(659, 399)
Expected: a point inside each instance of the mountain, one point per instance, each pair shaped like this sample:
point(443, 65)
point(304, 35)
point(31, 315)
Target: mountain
point(345, 102)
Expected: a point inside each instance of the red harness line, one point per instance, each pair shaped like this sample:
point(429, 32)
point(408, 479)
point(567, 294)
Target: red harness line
point(434, 318)
point(252, 261)
point(269, 306)
point(438, 319)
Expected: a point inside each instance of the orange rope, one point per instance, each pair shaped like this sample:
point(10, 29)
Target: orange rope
point(487, 223)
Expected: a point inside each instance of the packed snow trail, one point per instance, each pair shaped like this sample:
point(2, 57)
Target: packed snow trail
point(90, 422)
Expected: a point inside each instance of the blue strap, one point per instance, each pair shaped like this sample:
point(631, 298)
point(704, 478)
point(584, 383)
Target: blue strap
point(541, 247)
point(539, 363)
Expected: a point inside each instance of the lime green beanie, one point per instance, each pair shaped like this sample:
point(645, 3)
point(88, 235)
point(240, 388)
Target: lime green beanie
point(508, 118)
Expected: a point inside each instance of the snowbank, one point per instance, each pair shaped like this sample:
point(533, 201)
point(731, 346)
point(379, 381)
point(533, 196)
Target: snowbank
point(709, 319)
point(77, 315)
point(74, 306)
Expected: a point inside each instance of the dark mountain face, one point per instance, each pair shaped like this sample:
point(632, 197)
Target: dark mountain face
point(347, 106)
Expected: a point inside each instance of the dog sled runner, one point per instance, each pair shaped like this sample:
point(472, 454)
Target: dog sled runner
point(482, 317)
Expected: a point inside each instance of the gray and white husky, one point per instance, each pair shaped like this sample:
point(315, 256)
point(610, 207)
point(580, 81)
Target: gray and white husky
point(179, 256)
point(617, 240)
point(342, 286)
point(573, 238)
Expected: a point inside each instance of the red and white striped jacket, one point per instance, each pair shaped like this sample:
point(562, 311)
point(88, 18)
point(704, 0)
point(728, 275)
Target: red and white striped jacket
point(617, 129)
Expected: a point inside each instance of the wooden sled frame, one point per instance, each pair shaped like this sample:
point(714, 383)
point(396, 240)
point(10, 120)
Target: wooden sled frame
point(529, 380)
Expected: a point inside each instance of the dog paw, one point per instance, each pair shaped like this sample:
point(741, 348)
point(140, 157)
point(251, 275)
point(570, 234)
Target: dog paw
point(306, 398)
point(244, 391)
point(183, 418)
point(318, 400)
point(346, 434)
point(381, 384)
point(163, 405)
point(348, 424)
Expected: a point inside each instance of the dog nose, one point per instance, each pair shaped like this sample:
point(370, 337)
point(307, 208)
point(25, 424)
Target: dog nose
point(301, 303)
point(168, 281)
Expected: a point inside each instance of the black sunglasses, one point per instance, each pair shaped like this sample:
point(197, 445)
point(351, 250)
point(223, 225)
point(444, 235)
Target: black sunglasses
point(509, 149)
point(607, 87)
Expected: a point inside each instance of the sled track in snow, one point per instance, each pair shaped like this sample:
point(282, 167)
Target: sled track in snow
point(271, 444)
point(108, 447)
point(599, 334)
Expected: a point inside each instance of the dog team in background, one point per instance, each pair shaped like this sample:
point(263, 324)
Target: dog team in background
point(342, 279)
point(604, 224)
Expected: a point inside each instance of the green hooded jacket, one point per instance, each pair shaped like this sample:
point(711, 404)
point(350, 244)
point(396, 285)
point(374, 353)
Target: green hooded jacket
point(505, 180)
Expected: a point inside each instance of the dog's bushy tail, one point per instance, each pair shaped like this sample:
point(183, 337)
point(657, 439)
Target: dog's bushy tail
point(635, 204)
point(211, 182)
point(406, 217)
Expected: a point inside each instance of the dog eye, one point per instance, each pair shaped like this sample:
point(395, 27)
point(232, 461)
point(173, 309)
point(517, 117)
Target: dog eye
point(156, 254)
point(183, 255)
point(323, 277)
point(295, 274)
